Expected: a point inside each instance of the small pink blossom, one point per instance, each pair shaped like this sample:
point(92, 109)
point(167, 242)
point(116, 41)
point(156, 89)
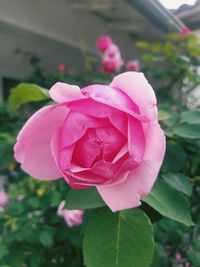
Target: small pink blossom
point(72, 217)
point(133, 65)
point(4, 199)
point(112, 50)
point(103, 42)
point(187, 264)
point(185, 31)
point(61, 67)
point(111, 63)
point(178, 256)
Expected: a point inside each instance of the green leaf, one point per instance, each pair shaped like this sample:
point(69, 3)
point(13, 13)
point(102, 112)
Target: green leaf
point(169, 202)
point(191, 117)
point(194, 254)
point(190, 131)
point(84, 199)
point(175, 158)
point(179, 182)
point(46, 238)
point(163, 115)
point(25, 93)
point(118, 239)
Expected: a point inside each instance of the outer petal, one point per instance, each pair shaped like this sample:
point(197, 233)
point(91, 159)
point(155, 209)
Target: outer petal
point(135, 85)
point(62, 92)
point(32, 149)
point(139, 181)
point(113, 97)
point(128, 193)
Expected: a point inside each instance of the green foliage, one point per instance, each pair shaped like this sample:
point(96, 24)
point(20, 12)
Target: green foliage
point(191, 116)
point(118, 239)
point(190, 131)
point(84, 199)
point(169, 202)
point(32, 234)
point(179, 182)
point(25, 93)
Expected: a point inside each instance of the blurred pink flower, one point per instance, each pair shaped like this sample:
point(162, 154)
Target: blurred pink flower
point(72, 217)
point(103, 42)
point(178, 256)
point(185, 31)
point(112, 50)
point(4, 199)
point(187, 264)
point(133, 65)
point(61, 67)
point(111, 63)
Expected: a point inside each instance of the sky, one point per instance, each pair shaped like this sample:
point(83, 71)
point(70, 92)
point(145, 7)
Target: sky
point(174, 4)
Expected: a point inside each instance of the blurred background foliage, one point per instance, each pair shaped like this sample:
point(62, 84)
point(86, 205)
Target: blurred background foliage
point(31, 232)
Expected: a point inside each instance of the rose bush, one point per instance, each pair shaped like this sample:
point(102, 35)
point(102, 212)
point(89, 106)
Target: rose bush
point(106, 136)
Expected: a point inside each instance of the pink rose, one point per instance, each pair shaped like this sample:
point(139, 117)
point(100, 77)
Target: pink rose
point(61, 67)
point(4, 199)
point(133, 65)
point(111, 63)
point(103, 42)
point(112, 50)
point(71, 217)
point(185, 31)
point(107, 136)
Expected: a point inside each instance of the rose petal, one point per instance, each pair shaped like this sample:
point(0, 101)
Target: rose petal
point(62, 92)
point(32, 149)
point(127, 194)
point(136, 139)
point(113, 97)
point(55, 149)
point(155, 143)
point(140, 180)
point(135, 85)
point(91, 107)
point(76, 125)
point(86, 149)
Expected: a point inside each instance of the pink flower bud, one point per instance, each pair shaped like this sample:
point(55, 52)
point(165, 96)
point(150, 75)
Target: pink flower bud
point(103, 42)
point(61, 67)
point(4, 199)
point(72, 217)
point(187, 264)
point(133, 65)
point(185, 31)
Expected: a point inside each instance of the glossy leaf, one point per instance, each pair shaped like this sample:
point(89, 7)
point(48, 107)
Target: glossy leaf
point(118, 239)
point(190, 131)
point(179, 182)
point(169, 202)
point(163, 115)
point(26, 93)
point(84, 199)
point(175, 158)
point(191, 116)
